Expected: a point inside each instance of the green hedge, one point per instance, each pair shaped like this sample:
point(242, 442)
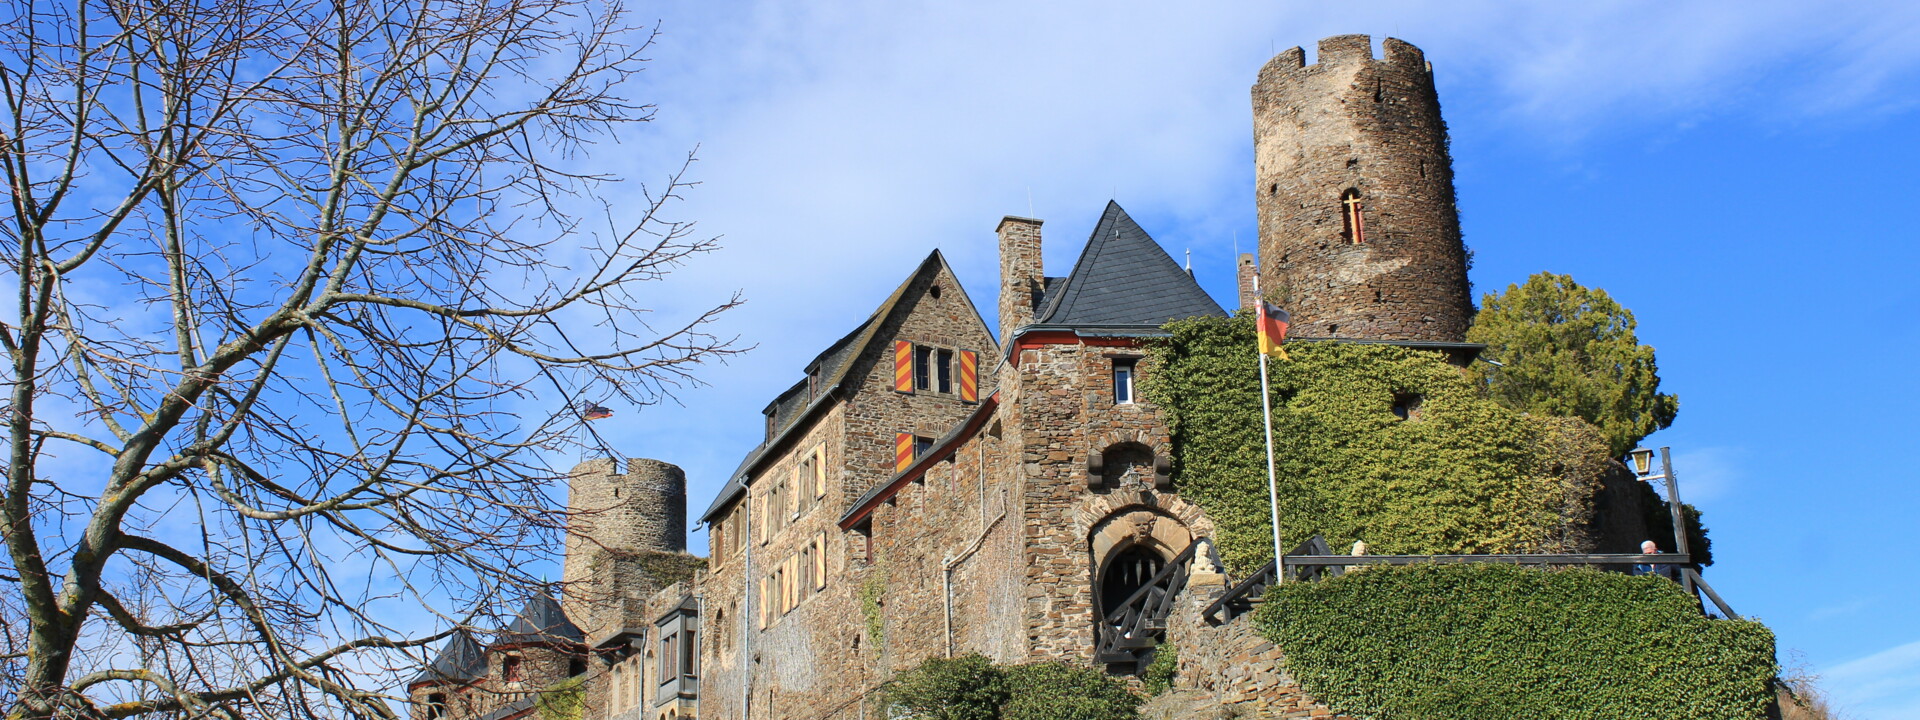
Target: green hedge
point(971, 687)
point(1442, 642)
point(1461, 474)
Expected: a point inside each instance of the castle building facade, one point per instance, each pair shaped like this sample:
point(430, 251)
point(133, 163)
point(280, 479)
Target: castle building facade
point(931, 488)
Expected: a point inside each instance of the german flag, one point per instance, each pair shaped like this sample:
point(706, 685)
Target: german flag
point(1272, 327)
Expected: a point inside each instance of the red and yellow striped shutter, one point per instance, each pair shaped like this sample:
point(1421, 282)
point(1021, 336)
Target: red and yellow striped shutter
point(819, 472)
point(902, 451)
point(903, 366)
point(969, 376)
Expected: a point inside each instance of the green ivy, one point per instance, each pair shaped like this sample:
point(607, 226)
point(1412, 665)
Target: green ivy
point(871, 591)
point(1460, 474)
point(971, 687)
point(1158, 677)
point(563, 700)
point(1433, 642)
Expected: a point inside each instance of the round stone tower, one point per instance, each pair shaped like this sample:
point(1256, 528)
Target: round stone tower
point(644, 509)
point(1359, 237)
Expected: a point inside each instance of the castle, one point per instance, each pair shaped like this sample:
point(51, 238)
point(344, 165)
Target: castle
point(933, 487)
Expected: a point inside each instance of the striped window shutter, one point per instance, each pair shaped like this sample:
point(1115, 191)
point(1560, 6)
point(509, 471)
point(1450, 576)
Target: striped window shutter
point(903, 366)
point(820, 562)
point(820, 472)
point(902, 451)
point(969, 376)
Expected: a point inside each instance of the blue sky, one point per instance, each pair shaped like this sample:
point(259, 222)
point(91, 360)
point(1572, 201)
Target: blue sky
point(1740, 175)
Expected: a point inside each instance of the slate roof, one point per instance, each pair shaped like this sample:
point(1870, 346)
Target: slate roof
point(1124, 278)
point(459, 661)
point(541, 621)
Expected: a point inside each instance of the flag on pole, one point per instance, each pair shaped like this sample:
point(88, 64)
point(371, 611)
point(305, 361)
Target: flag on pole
point(595, 412)
point(1272, 326)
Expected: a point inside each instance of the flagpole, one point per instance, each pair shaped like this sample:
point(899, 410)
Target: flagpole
point(1266, 423)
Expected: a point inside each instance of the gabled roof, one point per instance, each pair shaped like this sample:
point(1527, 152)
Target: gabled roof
point(793, 407)
point(1124, 278)
point(542, 621)
point(461, 660)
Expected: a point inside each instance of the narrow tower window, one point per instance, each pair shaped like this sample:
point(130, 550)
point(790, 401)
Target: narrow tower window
point(1122, 382)
point(1354, 219)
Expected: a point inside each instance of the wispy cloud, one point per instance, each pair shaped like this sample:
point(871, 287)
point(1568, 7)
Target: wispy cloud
point(1881, 686)
point(1707, 473)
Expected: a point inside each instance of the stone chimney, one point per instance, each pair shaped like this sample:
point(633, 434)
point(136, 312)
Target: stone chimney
point(1020, 273)
point(1245, 276)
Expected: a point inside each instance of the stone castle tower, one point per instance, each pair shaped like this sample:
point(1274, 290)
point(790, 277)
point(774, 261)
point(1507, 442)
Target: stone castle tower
point(1359, 236)
point(611, 516)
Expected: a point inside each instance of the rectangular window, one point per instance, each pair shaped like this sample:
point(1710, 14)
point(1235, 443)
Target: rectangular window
point(510, 668)
point(689, 655)
point(805, 573)
point(803, 480)
point(1122, 382)
point(922, 358)
point(669, 654)
point(943, 371)
point(922, 446)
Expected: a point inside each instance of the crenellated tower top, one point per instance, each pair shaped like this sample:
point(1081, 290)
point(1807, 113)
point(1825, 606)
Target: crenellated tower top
point(1359, 235)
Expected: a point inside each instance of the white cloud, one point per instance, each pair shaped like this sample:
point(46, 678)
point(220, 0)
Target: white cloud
point(1881, 686)
point(1707, 473)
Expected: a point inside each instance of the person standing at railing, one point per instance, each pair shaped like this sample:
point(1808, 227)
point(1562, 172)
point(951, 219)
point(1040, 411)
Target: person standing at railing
point(1649, 547)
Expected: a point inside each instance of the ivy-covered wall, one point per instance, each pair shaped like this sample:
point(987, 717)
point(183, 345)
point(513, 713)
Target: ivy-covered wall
point(1458, 474)
point(1438, 642)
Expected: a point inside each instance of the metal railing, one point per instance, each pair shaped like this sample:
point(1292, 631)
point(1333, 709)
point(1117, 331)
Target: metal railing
point(1313, 560)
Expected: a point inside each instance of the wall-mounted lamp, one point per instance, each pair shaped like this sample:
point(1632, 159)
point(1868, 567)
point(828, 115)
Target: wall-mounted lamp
point(1642, 461)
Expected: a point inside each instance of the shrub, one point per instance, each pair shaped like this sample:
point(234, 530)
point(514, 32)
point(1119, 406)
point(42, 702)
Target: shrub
point(1158, 677)
point(970, 687)
point(1058, 691)
point(1485, 640)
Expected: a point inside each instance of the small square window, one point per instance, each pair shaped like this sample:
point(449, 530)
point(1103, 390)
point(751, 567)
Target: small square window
point(922, 446)
point(1122, 382)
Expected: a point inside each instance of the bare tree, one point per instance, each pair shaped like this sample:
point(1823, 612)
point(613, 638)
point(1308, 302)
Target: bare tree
point(302, 291)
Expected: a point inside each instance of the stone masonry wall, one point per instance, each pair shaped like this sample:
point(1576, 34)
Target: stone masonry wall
point(1351, 122)
point(1065, 412)
point(643, 510)
point(816, 660)
point(1226, 671)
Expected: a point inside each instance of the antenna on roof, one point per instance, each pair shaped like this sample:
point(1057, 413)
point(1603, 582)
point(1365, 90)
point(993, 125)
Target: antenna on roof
point(1030, 201)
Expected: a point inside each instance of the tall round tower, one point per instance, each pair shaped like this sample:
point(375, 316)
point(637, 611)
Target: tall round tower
point(1359, 236)
point(644, 509)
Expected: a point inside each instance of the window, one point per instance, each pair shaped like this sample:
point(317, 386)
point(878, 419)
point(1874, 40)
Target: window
point(1123, 382)
point(436, 706)
point(943, 371)
point(510, 668)
point(922, 360)
point(806, 572)
point(1353, 218)
point(922, 446)
point(804, 479)
point(770, 416)
point(669, 654)
point(689, 654)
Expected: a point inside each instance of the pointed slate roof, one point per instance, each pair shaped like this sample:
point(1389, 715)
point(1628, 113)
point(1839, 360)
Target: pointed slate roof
point(460, 660)
point(1124, 277)
point(541, 621)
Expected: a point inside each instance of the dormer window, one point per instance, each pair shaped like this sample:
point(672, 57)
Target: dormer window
point(770, 416)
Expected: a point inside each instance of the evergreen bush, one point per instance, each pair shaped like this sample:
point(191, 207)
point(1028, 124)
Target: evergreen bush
point(971, 687)
point(1379, 443)
point(1433, 642)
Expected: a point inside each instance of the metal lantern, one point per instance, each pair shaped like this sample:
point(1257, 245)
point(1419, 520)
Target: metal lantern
point(1642, 461)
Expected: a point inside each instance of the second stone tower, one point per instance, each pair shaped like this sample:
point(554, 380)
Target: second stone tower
point(1359, 236)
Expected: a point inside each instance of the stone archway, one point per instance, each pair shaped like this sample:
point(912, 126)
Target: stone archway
point(1127, 548)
